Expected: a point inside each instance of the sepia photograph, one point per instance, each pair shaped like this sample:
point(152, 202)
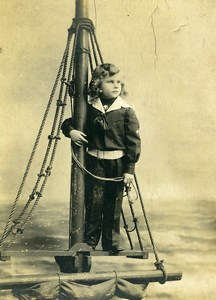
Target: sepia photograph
point(107, 150)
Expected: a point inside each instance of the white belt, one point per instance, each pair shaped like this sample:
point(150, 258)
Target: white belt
point(115, 154)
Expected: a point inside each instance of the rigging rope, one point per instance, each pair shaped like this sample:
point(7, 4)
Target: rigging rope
point(41, 174)
point(7, 230)
point(159, 263)
point(36, 195)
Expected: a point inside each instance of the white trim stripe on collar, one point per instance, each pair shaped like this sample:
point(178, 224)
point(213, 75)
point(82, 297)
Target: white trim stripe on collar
point(117, 104)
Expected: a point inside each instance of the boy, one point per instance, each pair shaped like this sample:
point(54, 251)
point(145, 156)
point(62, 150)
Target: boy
point(113, 148)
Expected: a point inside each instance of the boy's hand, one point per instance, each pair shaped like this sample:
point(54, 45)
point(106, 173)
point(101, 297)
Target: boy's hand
point(128, 179)
point(78, 137)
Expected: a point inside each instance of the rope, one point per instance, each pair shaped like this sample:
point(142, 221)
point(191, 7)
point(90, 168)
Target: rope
point(59, 281)
point(114, 179)
point(51, 137)
point(94, 50)
point(7, 230)
point(88, 25)
point(126, 230)
point(159, 263)
point(128, 189)
point(90, 62)
point(98, 48)
point(116, 279)
point(95, 11)
point(135, 220)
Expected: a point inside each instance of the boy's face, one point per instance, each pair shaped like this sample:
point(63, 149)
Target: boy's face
point(111, 86)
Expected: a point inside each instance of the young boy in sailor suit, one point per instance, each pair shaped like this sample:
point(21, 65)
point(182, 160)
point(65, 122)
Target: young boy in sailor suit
point(113, 148)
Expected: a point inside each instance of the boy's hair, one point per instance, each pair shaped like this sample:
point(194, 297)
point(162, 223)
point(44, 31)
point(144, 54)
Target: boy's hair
point(99, 73)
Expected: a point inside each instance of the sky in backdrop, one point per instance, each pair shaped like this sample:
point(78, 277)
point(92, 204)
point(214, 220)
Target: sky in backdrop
point(166, 50)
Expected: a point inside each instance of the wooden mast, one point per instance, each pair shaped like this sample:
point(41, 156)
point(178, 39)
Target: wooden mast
point(77, 193)
point(76, 224)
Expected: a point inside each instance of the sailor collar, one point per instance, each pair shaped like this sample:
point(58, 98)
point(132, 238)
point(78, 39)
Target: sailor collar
point(117, 104)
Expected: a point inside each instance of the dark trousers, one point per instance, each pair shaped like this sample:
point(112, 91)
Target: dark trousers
point(103, 202)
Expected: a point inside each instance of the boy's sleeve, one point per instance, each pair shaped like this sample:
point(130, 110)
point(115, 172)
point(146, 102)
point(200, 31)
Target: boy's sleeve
point(132, 141)
point(67, 126)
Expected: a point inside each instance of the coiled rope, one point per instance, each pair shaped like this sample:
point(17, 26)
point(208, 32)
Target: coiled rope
point(114, 179)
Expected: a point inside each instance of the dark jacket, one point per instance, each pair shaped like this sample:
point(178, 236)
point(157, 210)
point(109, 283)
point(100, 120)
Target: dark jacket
point(115, 129)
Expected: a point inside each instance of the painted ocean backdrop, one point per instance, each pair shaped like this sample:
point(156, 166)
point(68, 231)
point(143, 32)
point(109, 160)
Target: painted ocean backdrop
point(184, 234)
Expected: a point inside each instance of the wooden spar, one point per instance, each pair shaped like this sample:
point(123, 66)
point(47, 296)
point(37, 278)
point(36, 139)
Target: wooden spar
point(76, 223)
point(136, 277)
point(6, 255)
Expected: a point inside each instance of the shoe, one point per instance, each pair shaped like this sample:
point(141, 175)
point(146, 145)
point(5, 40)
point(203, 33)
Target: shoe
point(115, 250)
point(106, 249)
point(92, 246)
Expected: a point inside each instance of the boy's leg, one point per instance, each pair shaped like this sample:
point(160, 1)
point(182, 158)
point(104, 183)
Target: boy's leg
point(112, 206)
point(112, 214)
point(94, 201)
